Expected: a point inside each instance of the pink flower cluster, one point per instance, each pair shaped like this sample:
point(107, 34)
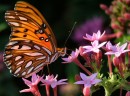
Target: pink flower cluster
point(93, 57)
point(50, 80)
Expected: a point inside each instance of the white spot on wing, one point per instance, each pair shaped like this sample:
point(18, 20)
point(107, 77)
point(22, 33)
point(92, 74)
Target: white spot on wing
point(20, 62)
point(37, 47)
point(7, 13)
point(8, 64)
point(10, 71)
point(17, 70)
point(9, 68)
point(33, 54)
point(27, 41)
point(40, 65)
point(24, 47)
point(12, 43)
point(8, 56)
point(30, 70)
point(18, 57)
point(54, 57)
point(14, 23)
point(24, 73)
point(48, 51)
point(15, 47)
point(28, 64)
point(22, 18)
point(10, 17)
point(40, 58)
point(7, 61)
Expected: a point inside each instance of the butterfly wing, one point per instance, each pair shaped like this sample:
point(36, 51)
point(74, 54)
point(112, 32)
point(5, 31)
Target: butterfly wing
point(32, 42)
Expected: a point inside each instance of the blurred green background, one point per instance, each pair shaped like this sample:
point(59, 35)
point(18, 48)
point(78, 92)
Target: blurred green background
point(61, 16)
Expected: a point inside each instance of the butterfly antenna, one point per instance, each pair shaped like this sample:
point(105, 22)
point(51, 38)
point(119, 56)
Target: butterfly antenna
point(70, 32)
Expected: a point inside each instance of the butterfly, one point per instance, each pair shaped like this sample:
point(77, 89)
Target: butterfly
point(32, 44)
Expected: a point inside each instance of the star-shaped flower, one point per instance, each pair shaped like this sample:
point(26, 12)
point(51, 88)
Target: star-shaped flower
point(95, 47)
point(88, 81)
point(32, 85)
point(117, 50)
point(72, 56)
point(95, 36)
point(52, 81)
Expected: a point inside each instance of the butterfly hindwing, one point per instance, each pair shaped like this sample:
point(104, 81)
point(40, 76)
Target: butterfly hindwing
point(25, 57)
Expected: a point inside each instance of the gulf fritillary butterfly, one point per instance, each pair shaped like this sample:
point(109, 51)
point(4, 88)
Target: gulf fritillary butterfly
point(32, 44)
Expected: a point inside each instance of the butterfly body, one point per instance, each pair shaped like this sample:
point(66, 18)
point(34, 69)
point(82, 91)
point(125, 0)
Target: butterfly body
point(32, 44)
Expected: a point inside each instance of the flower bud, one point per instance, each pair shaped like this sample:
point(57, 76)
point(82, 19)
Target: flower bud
point(116, 62)
point(121, 19)
point(108, 12)
point(86, 91)
point(103, 7)
point(127, 2)
point(99, 55)
point(119, 34)
point(115, 26)
point(127, 16)
point(128, 93)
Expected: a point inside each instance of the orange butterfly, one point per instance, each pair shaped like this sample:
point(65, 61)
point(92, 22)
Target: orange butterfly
point(32, 43)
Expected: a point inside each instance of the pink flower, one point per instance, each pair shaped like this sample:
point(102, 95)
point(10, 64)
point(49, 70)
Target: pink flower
point(95, 36)
point(110, 47)
point(32, 85)
point(128, 93)
point(117, 50)
point(72, 56)
point(95, 47)
point(88, 81)
point(52, 81)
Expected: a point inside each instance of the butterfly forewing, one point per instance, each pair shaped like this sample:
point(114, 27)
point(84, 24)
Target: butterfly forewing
point(32, 44)
point(30, 28)
point(32, 12)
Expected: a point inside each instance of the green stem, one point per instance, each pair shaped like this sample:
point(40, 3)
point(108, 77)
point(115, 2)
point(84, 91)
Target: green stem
point(107, 92)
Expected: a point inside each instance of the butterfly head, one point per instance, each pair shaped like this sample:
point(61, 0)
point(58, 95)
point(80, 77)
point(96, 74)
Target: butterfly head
point(62, 51)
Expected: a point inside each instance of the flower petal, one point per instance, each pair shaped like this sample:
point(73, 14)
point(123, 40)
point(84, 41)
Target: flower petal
point(34, 78)
point(27, 82)
point(100, 45)
point(123, 46)
point(79, 82)
point(83, 76)
point(93, 76)
point(95, 81)
point(25, 90)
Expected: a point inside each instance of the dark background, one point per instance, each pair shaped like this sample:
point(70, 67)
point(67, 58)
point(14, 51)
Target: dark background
point(61, 16)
